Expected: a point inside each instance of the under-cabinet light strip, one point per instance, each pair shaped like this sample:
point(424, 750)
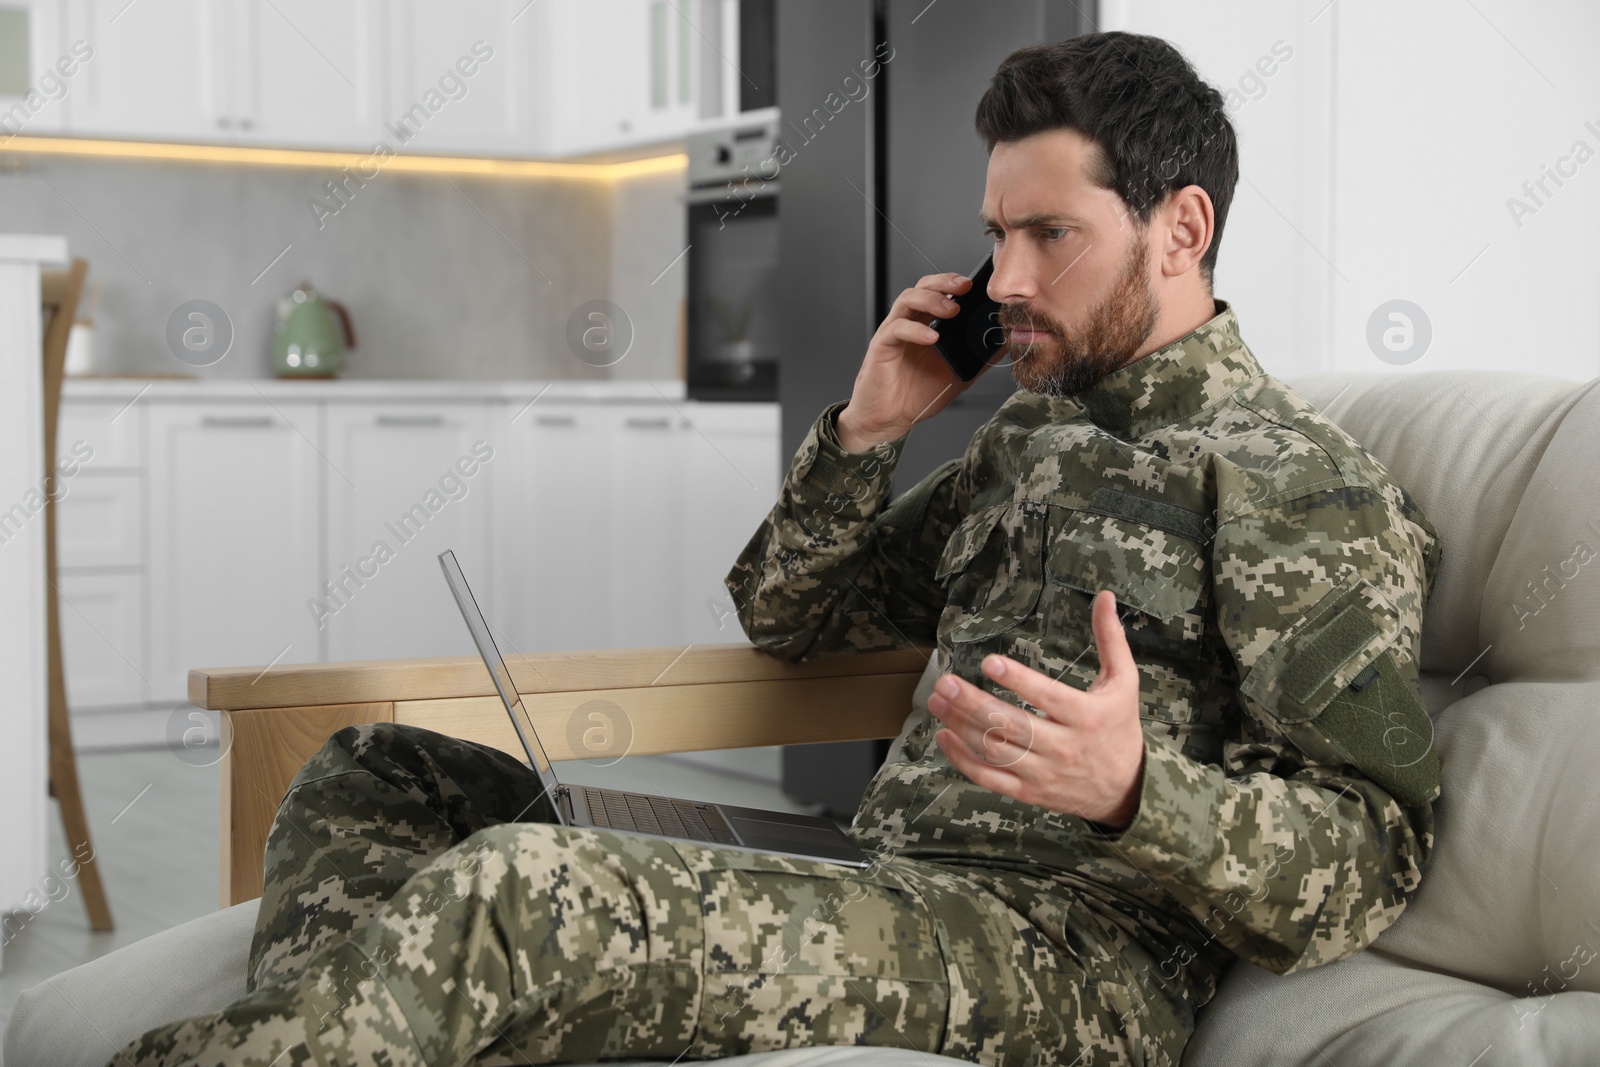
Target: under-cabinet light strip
point(299, 157)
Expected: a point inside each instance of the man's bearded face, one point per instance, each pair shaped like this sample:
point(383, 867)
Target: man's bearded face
point(1049, 358)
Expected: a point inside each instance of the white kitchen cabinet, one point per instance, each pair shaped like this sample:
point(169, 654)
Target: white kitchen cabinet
point(690, 483)
point(100, 526)
point(405, 482)
point(730, 480)
point(732, 474)
point(103, 638)
point(33, 91)
point(309, 72)
point(509, 78)
point(100, 519)
point(620, 521)
point(552, 78)
point(281, 72)
point(552, 538)
point(462, 77)
point(211, 520)
point(111, 431)
point(235, 537)
point(647, 485)
point(162, 69)
point(625, 72)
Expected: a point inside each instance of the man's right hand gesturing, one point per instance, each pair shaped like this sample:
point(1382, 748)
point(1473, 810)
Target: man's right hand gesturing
point(903, 379)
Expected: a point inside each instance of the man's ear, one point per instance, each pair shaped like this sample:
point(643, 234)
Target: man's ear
point(1190, 224)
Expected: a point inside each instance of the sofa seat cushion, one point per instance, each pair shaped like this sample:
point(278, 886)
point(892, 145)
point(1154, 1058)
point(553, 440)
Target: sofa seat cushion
point(83, 1017)
point(1498, 953)
point(86, 1015)
point(1375, 1011)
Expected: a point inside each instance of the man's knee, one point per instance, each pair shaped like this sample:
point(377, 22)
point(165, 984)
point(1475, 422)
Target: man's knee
point(508, 845)
point(374, 747)
point(366, 740)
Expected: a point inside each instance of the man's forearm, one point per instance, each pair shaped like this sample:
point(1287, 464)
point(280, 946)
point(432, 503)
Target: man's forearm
point(803, 567)
point(1286, 872)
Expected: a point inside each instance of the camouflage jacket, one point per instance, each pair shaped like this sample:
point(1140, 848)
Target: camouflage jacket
point(1271, 578)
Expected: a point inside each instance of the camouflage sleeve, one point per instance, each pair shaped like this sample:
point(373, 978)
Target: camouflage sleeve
point(833, 569)
point(1308, 840)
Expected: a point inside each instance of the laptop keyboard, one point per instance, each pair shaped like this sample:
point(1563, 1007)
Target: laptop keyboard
point(616, 810)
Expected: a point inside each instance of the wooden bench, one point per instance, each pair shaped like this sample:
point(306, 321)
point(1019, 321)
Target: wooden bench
point(676, 699)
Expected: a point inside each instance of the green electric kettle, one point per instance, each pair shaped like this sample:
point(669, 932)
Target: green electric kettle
point(313, 333)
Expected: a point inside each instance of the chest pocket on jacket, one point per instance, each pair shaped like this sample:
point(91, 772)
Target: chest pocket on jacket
point(1159, 573)
point(1152, 555)
point(993, 569)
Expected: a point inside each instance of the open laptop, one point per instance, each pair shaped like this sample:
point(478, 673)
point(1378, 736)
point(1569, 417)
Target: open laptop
point(723, 825)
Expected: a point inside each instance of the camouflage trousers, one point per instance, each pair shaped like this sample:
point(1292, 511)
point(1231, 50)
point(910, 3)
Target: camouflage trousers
point(421, 908)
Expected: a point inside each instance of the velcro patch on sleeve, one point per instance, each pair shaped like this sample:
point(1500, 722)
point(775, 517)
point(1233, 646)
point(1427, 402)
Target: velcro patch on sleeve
point(1323, 652)
point(1383, 729)
point(1317, 660)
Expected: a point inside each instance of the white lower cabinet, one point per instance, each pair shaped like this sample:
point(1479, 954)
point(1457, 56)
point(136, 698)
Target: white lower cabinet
point(100, 546)
point(731, 477)
point(646, 482)
point(103, 434)
point(261, 529)
point(689, 486)
point(100, 521)
point(102, 637)
point(405, 482)
point(552, 536)
point(621, 521)
point(235, 537)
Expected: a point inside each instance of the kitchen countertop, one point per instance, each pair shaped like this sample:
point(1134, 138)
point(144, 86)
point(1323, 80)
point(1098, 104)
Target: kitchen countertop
point(355, 389)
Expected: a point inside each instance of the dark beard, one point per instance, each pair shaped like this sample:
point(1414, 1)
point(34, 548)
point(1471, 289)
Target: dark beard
point(1073, 362)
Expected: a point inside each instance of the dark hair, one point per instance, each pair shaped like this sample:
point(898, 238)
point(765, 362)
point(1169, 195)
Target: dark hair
point(1157, 125)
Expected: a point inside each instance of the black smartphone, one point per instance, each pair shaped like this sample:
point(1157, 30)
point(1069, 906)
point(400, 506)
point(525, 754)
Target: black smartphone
point(969, 339)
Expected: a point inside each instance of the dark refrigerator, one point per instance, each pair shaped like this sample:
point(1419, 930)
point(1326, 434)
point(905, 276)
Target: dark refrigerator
point(883, 186)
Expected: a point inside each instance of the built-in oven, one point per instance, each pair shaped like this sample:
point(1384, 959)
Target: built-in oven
point(732, 296)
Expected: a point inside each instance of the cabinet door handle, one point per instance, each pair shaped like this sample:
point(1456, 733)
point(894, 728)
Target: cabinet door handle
point(637, 423)
point(556, 420)
point(235, 422)
point(410, 420)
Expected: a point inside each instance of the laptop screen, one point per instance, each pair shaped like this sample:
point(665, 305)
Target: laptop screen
point(502, 678)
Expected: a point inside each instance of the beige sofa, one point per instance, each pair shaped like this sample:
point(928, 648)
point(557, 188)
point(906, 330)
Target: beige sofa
point(1496, 961)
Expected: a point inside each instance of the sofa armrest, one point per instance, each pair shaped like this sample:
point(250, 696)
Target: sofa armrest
point(676, 699)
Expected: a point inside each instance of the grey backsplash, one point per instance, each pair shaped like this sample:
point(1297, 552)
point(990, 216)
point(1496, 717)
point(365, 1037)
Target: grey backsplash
point(445, 277)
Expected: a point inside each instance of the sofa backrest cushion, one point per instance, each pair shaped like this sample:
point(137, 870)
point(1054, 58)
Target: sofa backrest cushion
point(1510, 897)
point(1466, 445)
point(1541, 602)
point(1507, 467)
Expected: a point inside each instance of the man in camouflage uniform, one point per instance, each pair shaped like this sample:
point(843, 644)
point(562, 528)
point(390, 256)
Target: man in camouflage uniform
point(1180, 613)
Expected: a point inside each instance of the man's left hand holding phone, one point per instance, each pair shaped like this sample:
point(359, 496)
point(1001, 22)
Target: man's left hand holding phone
point(904, 379)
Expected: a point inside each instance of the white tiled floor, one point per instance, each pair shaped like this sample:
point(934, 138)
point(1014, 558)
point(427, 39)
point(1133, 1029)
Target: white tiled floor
point(154, 823)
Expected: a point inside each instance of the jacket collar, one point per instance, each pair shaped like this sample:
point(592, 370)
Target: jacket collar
point(1174, 382)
